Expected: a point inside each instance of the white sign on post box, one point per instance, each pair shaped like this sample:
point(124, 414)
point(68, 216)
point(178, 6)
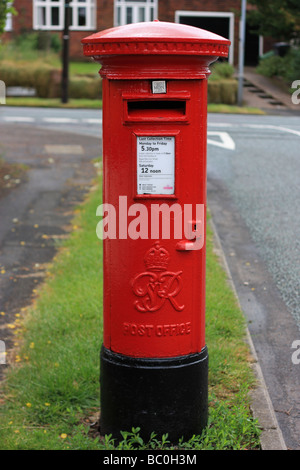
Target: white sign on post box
point(155, 165)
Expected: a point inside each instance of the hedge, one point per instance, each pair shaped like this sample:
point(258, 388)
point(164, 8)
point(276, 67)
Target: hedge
point(85, 87)
point(46, 80)
point(222, 91)
point(43, 78)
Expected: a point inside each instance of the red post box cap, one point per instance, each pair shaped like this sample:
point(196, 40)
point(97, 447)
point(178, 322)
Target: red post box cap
point(155, 38)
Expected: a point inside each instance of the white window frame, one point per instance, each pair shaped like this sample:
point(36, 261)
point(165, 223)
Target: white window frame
point(212, 14)
point(122, 4)
point(8, 24)
point(91, 12)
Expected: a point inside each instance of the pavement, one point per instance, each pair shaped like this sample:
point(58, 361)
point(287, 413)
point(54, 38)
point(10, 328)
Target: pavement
point(37, 214)
point(267, 94)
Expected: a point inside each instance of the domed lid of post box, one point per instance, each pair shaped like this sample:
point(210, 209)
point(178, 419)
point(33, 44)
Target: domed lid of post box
point(155, 38)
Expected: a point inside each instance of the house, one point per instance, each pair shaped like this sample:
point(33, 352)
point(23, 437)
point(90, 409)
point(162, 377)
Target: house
point(88, 16)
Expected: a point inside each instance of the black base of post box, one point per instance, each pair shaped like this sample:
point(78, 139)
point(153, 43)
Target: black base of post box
point(163, 395)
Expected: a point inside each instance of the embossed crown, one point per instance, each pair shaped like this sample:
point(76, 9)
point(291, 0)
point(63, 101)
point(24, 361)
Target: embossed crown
point(157, 258)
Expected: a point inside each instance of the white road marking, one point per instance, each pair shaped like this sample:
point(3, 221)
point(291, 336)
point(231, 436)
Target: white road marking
point(60, 120)
point(92, 121)
point(269, 126)
point(18, 119)
point(226, 141)
point(64, 149)
point(220, 124)
point(51, 120)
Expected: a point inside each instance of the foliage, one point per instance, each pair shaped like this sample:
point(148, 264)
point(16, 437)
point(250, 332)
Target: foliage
point(85, 88)
point(44, 41)
point(222, 91)
point(222, 86)
point(287, 67)
point(5, 8)
point(42, 77)
point(279, 19)
point(273, 66)
point(40, 49)
point(221, 70)
point(46, 80)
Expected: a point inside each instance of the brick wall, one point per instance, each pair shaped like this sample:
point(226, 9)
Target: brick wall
point(105, 17)
point(105, 14)
point(167, 8)
point(23, 21)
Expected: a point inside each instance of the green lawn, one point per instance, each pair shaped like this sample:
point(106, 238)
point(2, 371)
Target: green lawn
point(92, 104)
point(53, 384)
point(54, 103)
point(231, 109)
point(84, 68)
point(24, 51)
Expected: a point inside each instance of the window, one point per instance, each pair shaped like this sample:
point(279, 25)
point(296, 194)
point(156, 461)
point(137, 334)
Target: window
point(8, 24)
point(134, 11)
point(49, 14)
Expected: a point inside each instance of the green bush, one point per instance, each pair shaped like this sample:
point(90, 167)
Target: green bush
point(55, 44)
point(222, 70)
point(272, 66)
point(287, 67)
point(222, 91)
point(293, 70)
point(27, 41)
point(222, 87)
point(38, 41)
point(47, 41)
point(43, 78)
point(229, 89)
point(214, 92)
point(85, 87)
point(46, 80)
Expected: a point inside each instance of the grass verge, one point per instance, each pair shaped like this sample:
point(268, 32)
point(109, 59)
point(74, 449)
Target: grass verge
point(54, 103)
point(230, 109)
point(52, 386)
point(92, 104)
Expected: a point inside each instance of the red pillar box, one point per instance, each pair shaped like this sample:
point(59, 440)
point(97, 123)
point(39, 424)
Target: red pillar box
point(154, 360)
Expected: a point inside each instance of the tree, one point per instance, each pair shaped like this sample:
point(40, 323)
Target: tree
point(279, 19)
point(5, 8)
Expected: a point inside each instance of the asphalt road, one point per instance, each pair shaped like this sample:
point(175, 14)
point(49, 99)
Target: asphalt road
point(254, 198)
point(84, 122)
point(262, 176)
